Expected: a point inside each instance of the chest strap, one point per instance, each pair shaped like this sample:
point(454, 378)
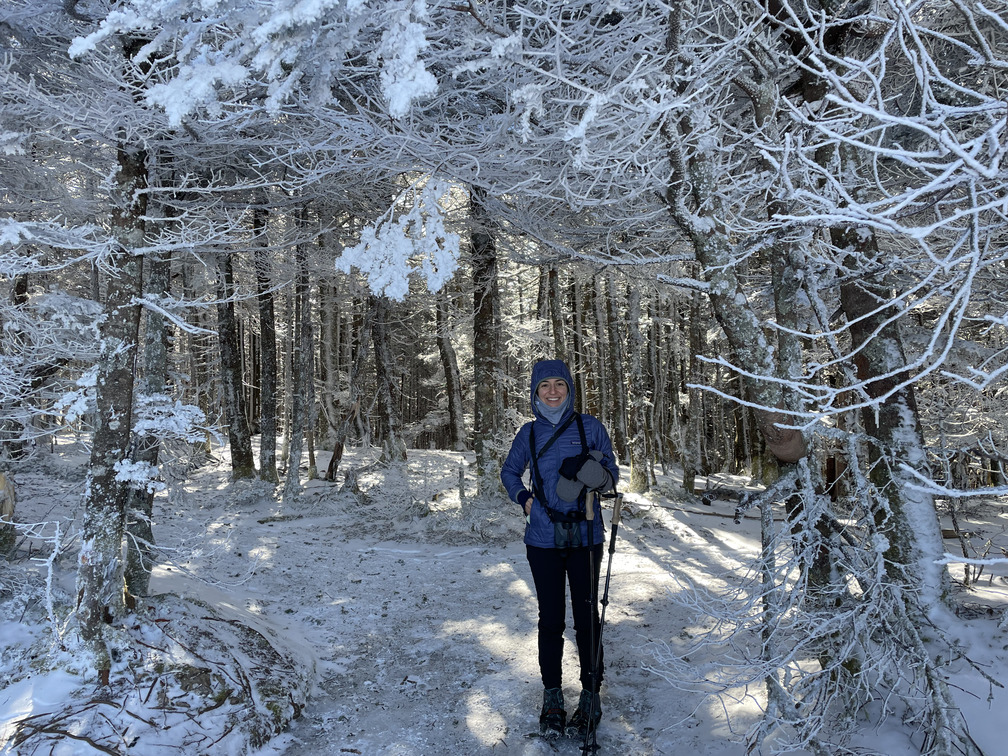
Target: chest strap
point(538, 490)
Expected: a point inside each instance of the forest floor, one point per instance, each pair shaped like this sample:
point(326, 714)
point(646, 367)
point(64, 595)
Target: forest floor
point(398, 621)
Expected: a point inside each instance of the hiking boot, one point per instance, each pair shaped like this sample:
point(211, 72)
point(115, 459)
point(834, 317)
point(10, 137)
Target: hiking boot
point(579, 725)
point(553, 718)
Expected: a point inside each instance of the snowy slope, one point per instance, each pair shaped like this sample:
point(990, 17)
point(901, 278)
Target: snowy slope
point(411, 616)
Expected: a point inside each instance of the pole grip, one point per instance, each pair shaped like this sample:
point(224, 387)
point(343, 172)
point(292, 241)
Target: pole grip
point(617, 504)
point(590, 506)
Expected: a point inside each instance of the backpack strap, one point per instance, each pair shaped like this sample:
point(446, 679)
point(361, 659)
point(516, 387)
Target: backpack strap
point(537, 481)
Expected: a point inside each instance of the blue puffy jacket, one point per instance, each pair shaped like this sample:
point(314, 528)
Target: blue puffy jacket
point(539, 532)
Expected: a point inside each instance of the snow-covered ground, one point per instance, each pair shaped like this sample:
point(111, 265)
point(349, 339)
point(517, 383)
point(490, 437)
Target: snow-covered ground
point(408, 611)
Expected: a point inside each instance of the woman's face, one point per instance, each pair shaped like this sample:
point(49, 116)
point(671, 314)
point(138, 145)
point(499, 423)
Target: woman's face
point(552, 392)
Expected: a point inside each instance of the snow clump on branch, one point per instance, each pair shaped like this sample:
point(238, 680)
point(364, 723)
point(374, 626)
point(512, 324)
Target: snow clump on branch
point(390, 249)
point(404, 78)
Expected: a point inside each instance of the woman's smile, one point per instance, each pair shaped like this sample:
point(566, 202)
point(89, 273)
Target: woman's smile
point(552, 391)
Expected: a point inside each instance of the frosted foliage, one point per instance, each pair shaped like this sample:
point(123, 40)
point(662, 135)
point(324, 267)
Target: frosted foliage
point(115, 21)
point(11, 233)
point(530, 100)
point(195, 85)
point(404, 78)
point(500, 50)
point(75, 317)
point(161, 416)
point(75, 404)
point(139, 475)
point(415, 240)
point(11, 143)
point(219, 45)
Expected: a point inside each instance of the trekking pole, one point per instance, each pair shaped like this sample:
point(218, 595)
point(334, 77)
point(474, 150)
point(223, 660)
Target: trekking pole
point(597, 652)
point(592, 599)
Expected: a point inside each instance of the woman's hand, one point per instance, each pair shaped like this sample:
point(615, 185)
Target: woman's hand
point(528, 507)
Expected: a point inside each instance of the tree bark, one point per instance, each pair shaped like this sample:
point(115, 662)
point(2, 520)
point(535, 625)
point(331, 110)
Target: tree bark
point(907, 516)
point(614, 371)
point(196, 351)
point(232, 396)
point(12, 429)
point(301, 377)
point(453, 379)
point(140, 506)
point(353, 411)
point(486, 347)
point(100, 574)
point(556, 310)
point(601, 350)
point(579, 366)
point(267, 352)
point(393, 443)
point(640, 480)
point(690, 451)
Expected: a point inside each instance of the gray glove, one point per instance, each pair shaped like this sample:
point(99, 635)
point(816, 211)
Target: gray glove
point(593, 474)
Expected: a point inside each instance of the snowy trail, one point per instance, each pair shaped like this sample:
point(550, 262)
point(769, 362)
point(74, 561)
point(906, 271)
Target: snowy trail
point(426, 651)
point(427, 648)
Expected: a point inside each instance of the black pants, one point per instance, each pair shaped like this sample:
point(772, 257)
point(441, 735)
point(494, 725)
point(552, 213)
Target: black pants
point(552, 570)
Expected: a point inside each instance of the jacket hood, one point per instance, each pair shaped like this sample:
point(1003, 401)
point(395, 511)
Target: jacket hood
point(551, 369)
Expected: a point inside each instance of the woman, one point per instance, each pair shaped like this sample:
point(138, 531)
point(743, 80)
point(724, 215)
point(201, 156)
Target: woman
point(568, 455)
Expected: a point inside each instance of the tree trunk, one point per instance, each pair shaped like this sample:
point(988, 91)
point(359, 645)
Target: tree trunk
point(579, 366)
point(140, 507)
point(239, 436)
point(12, 429)
point(601, 351)
point(694, 409)
point(694, 202)
point(267, 352)
point(658, 370)
point(486, 348)
point(353, 411)
point(329, 352)
point(542, 293)
point(100, 574)
point(393, 444)
point(196, 351)
point(287, 369)
point(614, 372)
point(640, 480)
point(301, 378)
point(556, 310)
point(453, 380)
point(907, 517)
